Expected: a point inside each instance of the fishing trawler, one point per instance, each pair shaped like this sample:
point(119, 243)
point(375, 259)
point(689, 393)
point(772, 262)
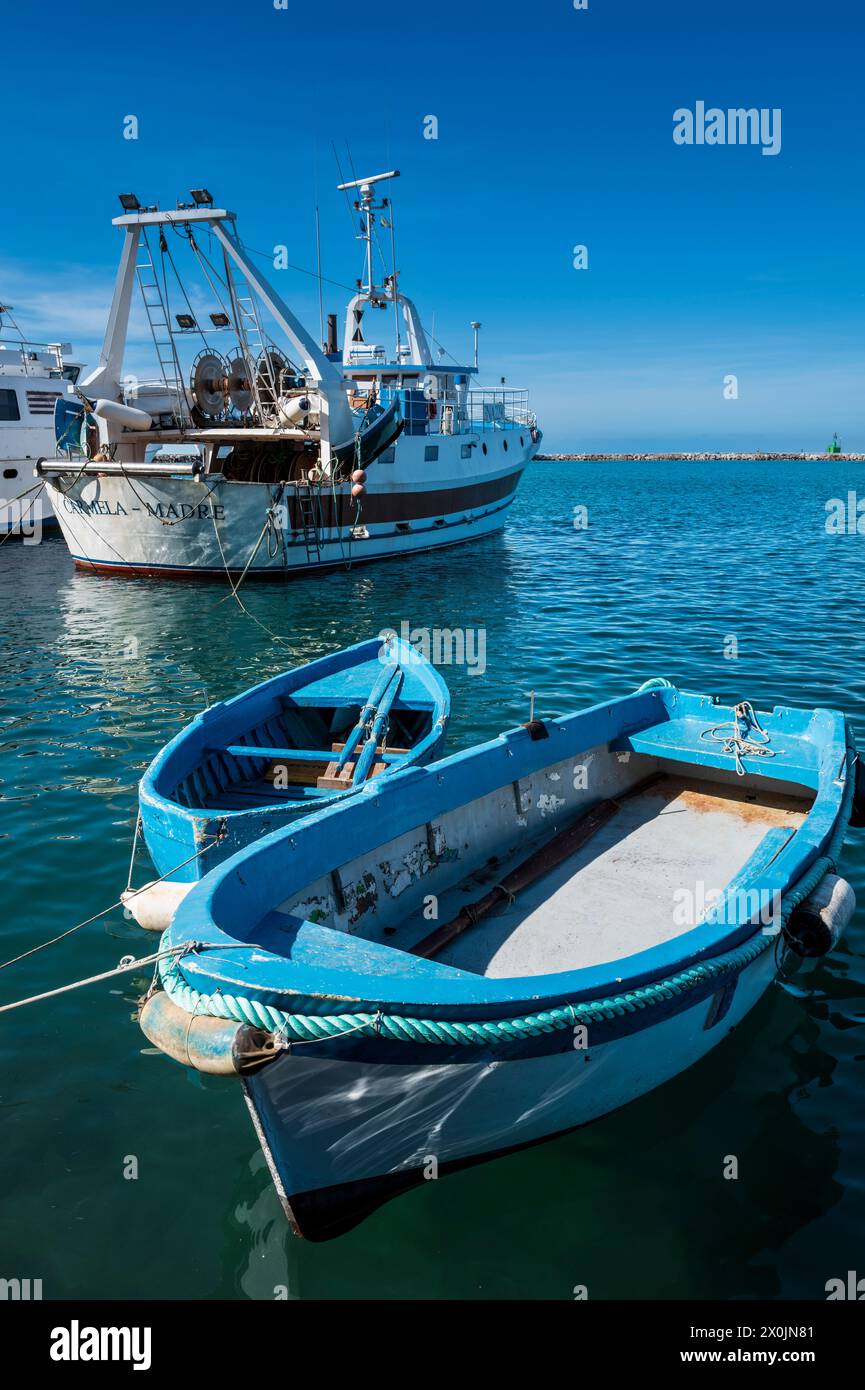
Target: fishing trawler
point(274, 454)
point(33, 376)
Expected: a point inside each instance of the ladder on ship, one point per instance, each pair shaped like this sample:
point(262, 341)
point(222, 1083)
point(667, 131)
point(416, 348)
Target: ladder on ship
point(160, 328)
point(254, 348)
point(309, 516)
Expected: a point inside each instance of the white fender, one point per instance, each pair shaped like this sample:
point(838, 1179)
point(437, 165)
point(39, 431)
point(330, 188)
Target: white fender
point(128, 415)
point(292, 409)
point(154, 905)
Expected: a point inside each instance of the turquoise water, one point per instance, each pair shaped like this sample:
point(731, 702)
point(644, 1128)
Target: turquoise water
point(98, 673)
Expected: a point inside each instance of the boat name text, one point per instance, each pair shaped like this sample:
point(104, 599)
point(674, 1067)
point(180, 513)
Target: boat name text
point(163, 511)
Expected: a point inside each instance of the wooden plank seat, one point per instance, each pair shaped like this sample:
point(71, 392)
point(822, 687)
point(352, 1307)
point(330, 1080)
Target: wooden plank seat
point(311, 755)
point(336, 780)
point(313, 768)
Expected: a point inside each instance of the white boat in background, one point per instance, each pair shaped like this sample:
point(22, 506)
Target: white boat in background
point(254, 456)
point(33, 375)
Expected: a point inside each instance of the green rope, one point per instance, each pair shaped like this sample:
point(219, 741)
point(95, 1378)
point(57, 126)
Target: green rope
point(447, 1032)
point(654, 683)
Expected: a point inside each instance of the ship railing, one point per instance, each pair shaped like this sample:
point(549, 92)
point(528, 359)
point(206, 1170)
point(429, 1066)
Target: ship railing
point(33, 353)
point(465, 412)
point(498, 409)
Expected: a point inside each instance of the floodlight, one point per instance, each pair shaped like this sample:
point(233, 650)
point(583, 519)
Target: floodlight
point(201, 197)
point(185, 320)
point(129, 202)
point(220, 320)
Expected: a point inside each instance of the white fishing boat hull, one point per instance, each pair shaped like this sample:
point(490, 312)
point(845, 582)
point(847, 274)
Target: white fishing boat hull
point(182, 525)
point(340, 1133)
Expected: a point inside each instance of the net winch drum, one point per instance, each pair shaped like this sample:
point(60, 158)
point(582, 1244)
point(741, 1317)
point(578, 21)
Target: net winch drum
point(239, 384)
point(210, 374)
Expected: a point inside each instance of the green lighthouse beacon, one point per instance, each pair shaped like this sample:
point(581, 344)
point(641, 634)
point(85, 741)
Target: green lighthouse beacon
point(834, 447)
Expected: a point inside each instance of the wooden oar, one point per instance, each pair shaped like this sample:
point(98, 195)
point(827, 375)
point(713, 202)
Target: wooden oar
point(548, 857)
point(373, 700)
point(367, 753)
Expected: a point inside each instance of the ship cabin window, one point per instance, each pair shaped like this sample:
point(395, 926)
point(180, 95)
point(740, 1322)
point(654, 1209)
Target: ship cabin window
point(70, 373)
point(430, 453)
point(387, 456)
point(10, 472)
point(465, 451)
point(9, 406)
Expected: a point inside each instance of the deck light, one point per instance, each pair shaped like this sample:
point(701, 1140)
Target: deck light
point(219, 320)
point(185, 321)
point(201, 197)
point(129, 202)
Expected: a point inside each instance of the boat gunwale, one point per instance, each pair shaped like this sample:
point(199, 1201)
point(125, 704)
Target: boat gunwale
point(437, 989)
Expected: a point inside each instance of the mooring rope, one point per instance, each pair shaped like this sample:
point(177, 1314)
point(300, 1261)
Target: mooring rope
point(125, 964)
point(121, 902)
point(447, 1032)
point(274, 636)
point(738, 738)
point(654, 683)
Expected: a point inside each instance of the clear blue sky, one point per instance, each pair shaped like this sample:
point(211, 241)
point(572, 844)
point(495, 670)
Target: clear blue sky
point(555, 128)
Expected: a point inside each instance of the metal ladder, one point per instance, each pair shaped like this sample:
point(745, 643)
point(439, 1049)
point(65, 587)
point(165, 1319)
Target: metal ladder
point(160, 329)
point(251, 335)
point(308, 503)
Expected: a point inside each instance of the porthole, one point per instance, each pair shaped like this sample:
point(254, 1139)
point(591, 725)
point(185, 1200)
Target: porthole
point(522, 442)
point(505, 442)
point(484, 447)
point(10, 472)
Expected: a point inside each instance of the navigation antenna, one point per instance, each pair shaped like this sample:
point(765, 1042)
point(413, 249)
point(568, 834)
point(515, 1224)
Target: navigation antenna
point(367, 209)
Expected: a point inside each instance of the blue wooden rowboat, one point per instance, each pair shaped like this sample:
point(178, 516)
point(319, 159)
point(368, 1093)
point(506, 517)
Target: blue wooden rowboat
point(295, 743)
point(517, 940)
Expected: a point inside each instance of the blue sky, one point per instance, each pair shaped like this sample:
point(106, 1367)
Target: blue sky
point(554, 129)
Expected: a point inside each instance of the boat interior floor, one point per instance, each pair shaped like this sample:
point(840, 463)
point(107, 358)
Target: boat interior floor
point(618, 893)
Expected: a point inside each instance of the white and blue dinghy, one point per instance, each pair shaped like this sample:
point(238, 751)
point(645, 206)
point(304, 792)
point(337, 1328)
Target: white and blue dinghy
point(293, 744)
point(472, 956)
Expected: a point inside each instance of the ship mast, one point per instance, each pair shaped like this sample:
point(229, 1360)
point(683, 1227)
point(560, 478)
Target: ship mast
point(367, 208)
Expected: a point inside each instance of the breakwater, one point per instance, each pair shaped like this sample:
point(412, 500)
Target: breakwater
point(696, 458)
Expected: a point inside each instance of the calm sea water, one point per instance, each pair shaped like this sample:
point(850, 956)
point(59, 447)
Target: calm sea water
point(98, 673)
